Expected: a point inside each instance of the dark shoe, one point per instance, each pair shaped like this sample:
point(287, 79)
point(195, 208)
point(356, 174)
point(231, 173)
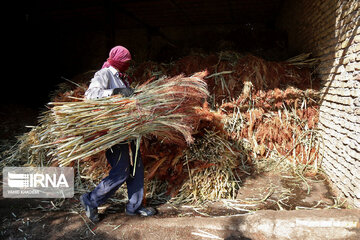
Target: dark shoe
point(142, 211)
point(91, 213)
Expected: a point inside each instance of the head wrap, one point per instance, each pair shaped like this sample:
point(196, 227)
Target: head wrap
point(119, 58)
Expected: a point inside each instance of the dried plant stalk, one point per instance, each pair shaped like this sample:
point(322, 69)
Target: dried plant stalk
point(165, 107)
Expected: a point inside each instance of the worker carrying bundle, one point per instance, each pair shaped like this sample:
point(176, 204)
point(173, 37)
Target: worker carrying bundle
point(113, 117)
point(111, 80)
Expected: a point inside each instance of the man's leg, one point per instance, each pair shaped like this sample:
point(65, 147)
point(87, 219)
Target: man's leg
point(118, 157)
point(135, 184)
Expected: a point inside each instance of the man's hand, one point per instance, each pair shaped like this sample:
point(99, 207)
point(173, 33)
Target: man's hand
point(126, 92)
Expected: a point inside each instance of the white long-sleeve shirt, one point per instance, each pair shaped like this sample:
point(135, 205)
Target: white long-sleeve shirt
point(103, 83)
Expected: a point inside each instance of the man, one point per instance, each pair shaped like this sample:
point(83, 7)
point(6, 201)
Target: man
point(108, 81)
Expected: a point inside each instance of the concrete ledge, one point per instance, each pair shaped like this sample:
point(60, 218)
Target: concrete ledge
point(264, 224)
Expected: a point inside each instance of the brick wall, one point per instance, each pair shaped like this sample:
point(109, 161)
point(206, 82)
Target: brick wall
point(330, 29)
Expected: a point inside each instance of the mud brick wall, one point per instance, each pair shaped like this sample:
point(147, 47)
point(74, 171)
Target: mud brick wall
point(330, 30)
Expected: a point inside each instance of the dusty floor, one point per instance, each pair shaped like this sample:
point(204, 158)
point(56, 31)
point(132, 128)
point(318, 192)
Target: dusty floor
point(20, 219)
point(276, 191)
point(39, 219)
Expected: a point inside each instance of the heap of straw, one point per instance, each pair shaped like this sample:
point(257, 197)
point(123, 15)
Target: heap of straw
point(165, 108)
point(214, 167)
point(229, 71)
point(269, 108)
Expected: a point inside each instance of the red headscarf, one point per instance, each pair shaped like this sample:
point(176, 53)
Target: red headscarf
point(119, 58)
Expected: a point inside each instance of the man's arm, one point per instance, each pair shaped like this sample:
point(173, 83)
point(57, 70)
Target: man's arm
point(98, 87)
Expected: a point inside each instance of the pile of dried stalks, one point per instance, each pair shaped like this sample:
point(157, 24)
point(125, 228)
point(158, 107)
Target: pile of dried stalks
point(173, 166)
point(230, 71)
point(215, 167)
point(263, 114)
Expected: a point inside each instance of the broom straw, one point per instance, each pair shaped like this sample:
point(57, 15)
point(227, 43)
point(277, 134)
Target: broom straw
point(165, 107)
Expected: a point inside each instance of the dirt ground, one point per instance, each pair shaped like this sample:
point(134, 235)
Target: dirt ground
point(38, 219)
point(42, 219)
point(273, 190)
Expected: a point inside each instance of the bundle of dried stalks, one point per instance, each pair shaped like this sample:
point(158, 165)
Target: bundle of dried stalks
point(165, 107)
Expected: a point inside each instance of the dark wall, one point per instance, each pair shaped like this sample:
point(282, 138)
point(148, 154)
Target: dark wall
point(48, 46)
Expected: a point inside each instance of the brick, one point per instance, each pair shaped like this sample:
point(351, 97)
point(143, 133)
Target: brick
point(339, 53)
point(346, 60)
point(342, 77)
point(356, 48)
point(340, 128)
point(353, 157)
point(344, 91)
point(340, 116)
point(345, 43)
point(357, 39)
point(349, 68)
point(352, 57)
point(337, 99)
point(356, 65)
point(356, 203)
point(357, 193)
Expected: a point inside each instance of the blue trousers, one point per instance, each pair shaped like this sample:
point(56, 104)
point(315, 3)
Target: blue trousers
point(121, 171)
